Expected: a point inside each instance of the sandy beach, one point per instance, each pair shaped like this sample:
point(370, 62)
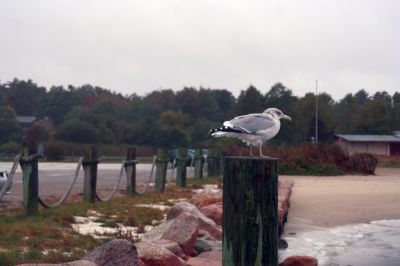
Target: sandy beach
point(331, 201)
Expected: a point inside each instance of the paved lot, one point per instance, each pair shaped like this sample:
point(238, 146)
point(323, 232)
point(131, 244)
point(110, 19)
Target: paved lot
point(54, 179)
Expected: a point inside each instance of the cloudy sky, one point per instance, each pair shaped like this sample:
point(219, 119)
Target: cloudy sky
point(136, 46)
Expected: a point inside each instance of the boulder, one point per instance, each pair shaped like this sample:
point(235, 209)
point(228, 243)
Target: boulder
point(206, 223)
point(157, 232)
point(206, 235)
point(211, 258)
point(196, 261)
point(214, 212)
point(204, 245)
point(171, 246)
point(154, 255)
point(299, 261)
point(212, 255)
point(284, 201)
point(207, 197)
point(183, 230)
point(73, 263)
point(114, 253)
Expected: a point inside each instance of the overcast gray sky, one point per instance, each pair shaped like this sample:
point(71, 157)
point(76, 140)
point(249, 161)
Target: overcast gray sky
point(134, 46)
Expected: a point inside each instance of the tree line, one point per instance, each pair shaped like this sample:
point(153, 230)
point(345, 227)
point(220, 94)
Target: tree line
point(90, 114)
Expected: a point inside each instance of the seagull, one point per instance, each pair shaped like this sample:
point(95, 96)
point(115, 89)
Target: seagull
point(253, 129)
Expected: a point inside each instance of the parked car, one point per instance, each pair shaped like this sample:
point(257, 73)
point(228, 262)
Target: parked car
point(3, 180)
point(190, 156)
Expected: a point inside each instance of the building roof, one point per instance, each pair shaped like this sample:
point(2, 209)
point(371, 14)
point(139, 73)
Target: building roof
point(369, 138)
point(26, 119)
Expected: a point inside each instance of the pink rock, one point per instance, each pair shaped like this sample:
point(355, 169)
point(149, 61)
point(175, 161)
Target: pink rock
point(206, 198)
point(299, 261)
point(153, 255)
point(212, 255)
point(171, 246)
point(184, 231)
point(213, 212)
point(196, 261)
point(210, 258)
point(284, 200)
point(206, 223)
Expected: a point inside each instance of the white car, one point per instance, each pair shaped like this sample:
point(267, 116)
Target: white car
point(3, 180)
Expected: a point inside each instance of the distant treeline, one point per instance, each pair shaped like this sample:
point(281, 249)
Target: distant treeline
point(89, 114)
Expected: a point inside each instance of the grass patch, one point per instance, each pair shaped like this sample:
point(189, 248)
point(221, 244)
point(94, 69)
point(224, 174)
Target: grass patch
point(197, 183)
point(316, 169)
point(47, 237)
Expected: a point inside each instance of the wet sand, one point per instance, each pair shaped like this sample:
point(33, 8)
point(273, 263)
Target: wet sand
point(321, 202)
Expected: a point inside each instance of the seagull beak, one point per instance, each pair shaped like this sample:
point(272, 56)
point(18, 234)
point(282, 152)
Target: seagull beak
point(287, 117)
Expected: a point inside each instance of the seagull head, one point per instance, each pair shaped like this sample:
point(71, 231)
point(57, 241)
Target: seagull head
point(277, 114)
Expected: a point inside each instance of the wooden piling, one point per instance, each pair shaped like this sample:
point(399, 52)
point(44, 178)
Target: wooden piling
point(130, 169)
point(161, 169)
point(250, 212)
point(181, 161)
point(30, 180)
point(198, 163)
point(89, 165)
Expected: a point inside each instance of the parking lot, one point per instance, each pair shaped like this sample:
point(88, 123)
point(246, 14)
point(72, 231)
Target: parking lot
point(54, 179)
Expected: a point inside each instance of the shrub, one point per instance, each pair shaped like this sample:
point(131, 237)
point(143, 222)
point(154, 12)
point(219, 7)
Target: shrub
point(364, 163)
point(54, 151)
point(10, 148)
point(311, 159)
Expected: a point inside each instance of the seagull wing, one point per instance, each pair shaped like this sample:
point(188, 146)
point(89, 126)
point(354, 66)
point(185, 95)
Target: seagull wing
point(251, 123)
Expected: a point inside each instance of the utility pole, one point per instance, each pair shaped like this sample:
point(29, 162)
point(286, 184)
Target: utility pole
point(316, 112)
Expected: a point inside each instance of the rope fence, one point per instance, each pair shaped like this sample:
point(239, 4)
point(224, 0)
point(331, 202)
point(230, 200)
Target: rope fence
point(88, 163)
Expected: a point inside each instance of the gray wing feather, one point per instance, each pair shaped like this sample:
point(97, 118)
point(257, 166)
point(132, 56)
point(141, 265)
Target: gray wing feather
point(252, 123)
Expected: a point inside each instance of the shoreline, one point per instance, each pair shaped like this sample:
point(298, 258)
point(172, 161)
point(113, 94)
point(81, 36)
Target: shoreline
point(319, 202)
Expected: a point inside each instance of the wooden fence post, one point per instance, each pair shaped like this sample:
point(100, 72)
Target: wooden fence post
point(250, 212)
point(214, 162)
point(181, 161)
point(211, 162)
point(130, 169)
point(198, 163)
point(161, 169)
point(217, 162)
point(89, 165)
point(30, 180)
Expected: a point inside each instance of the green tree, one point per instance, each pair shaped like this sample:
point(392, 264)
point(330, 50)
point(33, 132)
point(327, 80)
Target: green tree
point(282, 98)
point(77, 131)
point(26, 97)
point(9, 127)
point(39, 132)
point(250, 101)
point(172, 129)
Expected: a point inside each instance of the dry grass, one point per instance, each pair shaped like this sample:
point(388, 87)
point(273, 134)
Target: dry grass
point(47, 237)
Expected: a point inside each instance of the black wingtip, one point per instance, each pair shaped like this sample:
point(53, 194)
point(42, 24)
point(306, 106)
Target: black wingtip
point(224, 129)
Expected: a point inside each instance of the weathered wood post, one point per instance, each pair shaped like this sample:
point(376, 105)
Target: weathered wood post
point(89, 165)
point(198, 163)
point(30, 180)
point(250, 212)
point(181, 160)
point(130, 169)
point(214, 162)
point(210, 162)
point(161, 169)
point(217, 162)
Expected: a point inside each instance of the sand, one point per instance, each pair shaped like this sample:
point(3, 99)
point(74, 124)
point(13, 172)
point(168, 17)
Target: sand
point(331, 201)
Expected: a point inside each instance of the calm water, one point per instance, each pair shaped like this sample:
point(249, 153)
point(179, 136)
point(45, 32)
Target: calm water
point(373, 244)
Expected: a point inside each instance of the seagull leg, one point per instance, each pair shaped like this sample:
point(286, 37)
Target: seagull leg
point(262, 155)
point(251, 151)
